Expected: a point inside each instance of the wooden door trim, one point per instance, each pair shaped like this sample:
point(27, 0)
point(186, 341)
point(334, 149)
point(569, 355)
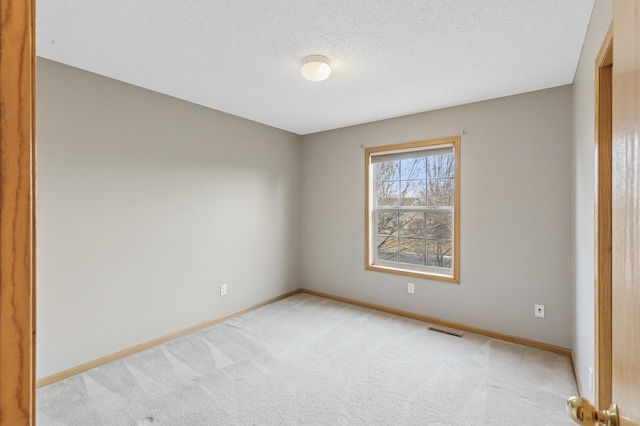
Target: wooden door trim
point(17, 212)
point(603, 152)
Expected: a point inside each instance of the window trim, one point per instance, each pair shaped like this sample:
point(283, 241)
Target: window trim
point(369, 254)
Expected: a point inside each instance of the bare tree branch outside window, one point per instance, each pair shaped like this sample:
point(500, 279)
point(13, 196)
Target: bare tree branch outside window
point(414, 201)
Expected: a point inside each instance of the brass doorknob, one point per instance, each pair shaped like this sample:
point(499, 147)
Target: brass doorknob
point(583, 413)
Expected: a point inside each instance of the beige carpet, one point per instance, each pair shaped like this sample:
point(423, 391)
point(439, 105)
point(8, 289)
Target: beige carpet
point(306, 360)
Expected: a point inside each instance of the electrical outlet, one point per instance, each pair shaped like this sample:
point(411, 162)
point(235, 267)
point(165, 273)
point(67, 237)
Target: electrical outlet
point(223, 290)
point(411, 288)
point(539, 311)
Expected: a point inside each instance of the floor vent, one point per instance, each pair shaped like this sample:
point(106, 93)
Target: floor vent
point(446, 330)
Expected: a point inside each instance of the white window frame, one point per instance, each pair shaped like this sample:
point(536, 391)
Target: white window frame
point(451, 275)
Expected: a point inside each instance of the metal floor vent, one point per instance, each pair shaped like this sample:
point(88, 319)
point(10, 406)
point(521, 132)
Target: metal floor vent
point(446, 330)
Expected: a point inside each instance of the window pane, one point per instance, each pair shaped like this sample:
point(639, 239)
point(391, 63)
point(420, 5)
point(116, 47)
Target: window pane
point(412, 224)
point(413, 168)
point(387, 193)
point(387, 223)
point(441, 166)
point(388, 248)
point(412, 193)
point(439, 225)
point(440, 192)
point(413, 209)
point(411, 250)
point(389, 170)
point(439, 253)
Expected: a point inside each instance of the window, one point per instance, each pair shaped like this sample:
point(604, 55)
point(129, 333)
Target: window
point(413, 209)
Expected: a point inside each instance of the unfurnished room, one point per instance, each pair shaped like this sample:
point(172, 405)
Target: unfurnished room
point(284, 212)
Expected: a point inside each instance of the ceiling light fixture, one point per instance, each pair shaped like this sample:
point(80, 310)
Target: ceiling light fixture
point(315, 68)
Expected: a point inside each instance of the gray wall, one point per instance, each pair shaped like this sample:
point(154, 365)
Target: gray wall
point(584, 192)
point(146, 204)
point(516, 204)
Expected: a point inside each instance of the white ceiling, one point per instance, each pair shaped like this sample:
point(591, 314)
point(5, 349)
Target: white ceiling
point(389, 57)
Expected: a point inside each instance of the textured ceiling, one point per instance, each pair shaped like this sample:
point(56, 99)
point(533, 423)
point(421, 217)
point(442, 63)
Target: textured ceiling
point(389, 57)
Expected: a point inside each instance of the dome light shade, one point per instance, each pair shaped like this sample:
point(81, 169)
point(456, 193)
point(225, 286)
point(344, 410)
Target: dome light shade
point(315, 68)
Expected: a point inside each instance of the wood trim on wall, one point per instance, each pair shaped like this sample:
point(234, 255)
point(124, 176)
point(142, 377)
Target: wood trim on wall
point(368, 194)
point(160, 340)
point(444, 323)
point(576, 375)
point(602, 284)
point(154, 342)
point(17, 212)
